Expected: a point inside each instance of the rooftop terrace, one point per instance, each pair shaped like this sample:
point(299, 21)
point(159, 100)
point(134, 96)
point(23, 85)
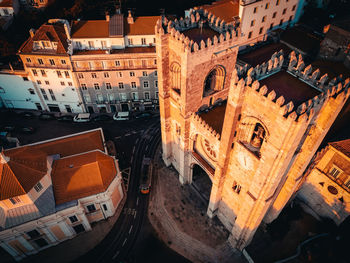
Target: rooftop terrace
point(290, 87)
point(215, 117)
point(197, 34)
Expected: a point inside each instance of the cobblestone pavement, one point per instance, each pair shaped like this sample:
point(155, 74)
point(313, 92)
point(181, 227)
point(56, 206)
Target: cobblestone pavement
point(179, 218)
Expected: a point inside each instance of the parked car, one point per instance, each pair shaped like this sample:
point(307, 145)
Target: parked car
point(27, 130)
point(121, 116)
point(143, 115)
point(27, 114)
point(102, 117)
point(47, 116)
point(68, 118)
point(82, 117)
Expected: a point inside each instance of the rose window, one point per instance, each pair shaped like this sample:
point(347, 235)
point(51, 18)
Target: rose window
point(209, 149)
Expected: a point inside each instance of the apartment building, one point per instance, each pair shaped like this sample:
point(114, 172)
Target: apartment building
point(115, 63)
point(8, 8)
point(53, 190)
point(46, 58)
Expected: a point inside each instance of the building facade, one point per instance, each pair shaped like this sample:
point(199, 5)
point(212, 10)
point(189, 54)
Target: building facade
point(8, 8)
point(252, 131)
point(53, 190)
point(326, 189)
point(46, 58)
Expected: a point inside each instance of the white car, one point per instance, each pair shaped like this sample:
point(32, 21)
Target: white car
point(82, 117)
point(121, 116)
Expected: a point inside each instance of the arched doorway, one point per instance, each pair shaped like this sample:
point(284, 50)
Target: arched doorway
point(201, 182)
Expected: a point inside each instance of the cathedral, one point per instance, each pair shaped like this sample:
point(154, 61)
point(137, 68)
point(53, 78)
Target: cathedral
point(250, 131)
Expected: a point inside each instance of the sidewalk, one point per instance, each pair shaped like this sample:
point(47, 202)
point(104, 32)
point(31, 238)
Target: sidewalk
point(71, 249)
point(179, 218)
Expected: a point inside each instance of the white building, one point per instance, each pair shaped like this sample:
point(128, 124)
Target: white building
point(8, 8)
point(53, 190)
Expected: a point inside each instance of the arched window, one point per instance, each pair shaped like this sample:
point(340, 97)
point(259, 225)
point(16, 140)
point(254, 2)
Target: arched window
point(258, 136)
point(175, 77)
point(214, 81)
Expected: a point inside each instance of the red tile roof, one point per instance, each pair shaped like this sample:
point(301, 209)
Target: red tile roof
point(6, 3)
point(90, 29)
point(225, 9)
point(143, 25)
point(342, 146)
point(82, 175)
point(28, 164)
point(49, 32)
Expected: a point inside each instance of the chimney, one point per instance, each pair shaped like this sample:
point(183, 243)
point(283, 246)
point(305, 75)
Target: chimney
point(107, 17)
point(67, 29)
point(32, 32)
point(130, 18)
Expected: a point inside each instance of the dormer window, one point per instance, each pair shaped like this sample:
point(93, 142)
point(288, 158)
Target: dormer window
point(15, 200)
point(335, 171)
point(46, 44)
point(38, 187)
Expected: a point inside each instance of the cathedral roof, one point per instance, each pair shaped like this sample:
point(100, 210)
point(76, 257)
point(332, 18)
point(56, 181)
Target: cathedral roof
point(342, 146)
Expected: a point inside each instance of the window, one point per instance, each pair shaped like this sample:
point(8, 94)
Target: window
point(87, 98)
point(93, 75)
point(33, 234)
point(104, 65)
point(40, 61)
point(258, 137)
point(263, 19)
point(91, 65)
point(66, 73)
point(6, 12)
point(63, 61)
point(35, 73)
point(277, 2)
point(156, 83)
point(135, 95)
point(43, 73)
point(31, 91)
point(83, 86)
point(250, 34)
point(281, 22)
point(261, 30)
point(44, 94)
point(70, 84)
point(255, 10)
point(123, 96)
point(155, 62)
point(146, 84)
point(80, 75)
point(347, 184)
point(121, 85)
point(252, 23)
point(290, 18)
point(117, 63)
point(133, 85)
point(104, 207)
point(284, 11)
point(52, 94)
point(294, 6)
point(38, 81)
point(73, 219)
point(144, 63)
point(59, 74)
point(62, 83)
point(131, 63)
point(106, 74)
point(144, 73)
point(38, 187)
point(52, 62)
point(91, 44)
point(132, 74)
point(334, 171)
point(236, 187)
point(63, 95)
point(96, 86)
point(146, 95)
point(91, 208)
point(79, 228)
point(108, 86)
point(154, 40)
point(156, 73)
point(25, 78)
point(110, 96)
point(271, 26)
point(28, 60)
point(143, 41)
point(120, 74)
point(156, 94)
point(47, 82)
point(130, 41)
point(274, 14)
point(267, 6)
point(104, 44)
point(15, 200)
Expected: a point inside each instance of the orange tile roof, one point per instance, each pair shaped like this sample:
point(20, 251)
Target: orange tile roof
point(6, 3)
point(50, 32)
point(28, 164)
point(82, 175)
point(225, 9)
point(90, 29)
point(342, 146)
point(143, 25)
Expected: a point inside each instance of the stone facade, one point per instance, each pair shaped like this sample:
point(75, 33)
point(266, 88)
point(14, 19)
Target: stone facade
point(252, 138)
point(327, 184)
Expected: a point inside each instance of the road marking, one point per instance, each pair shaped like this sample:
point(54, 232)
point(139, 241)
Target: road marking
point(130, 229)
point(135, 214)
point(124, 241)
point(137, 201)
point(116, 254)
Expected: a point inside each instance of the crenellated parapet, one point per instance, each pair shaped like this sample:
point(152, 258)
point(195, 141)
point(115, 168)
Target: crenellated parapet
point(227, 34)
point(204, 129)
